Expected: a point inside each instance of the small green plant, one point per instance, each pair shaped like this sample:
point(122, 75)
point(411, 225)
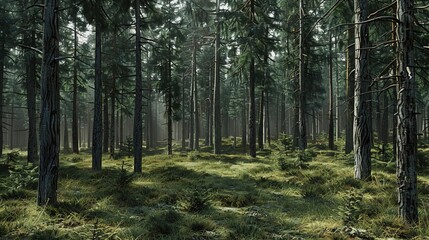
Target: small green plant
point(12, 157)
point(20, 178)
point(287, 143)
point(123, 182)
point(236, 199)
point(196, 200)
point(283, 165)
point(194, 155)
point(126, 148)
point(352, 208)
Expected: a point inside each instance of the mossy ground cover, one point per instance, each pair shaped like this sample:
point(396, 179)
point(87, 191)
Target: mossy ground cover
point(198, 195)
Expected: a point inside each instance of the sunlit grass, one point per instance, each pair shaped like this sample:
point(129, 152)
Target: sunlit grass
point(197, 195)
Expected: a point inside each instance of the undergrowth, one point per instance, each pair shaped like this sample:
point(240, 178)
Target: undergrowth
point(282, 194)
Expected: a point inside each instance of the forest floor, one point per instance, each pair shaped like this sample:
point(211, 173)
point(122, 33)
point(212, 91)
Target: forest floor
point(198, 195)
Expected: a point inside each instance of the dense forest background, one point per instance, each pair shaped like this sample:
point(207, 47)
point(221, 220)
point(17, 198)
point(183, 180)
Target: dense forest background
point(294, 94)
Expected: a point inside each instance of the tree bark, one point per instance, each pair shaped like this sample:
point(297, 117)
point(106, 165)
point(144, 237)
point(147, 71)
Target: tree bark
point(31, 83)
point(331, 99)
point(106, 120)
point(138, 127)
point(195, 95)
point(252, 109)
point(361, 126)
point(407, 126)
point(302, 140)
point(2, 63)
point(261, 122)
point(97, 129)
point(75, 128)
point(350, 88)
point(50, 108)
point(66, 144)
point(217, 133)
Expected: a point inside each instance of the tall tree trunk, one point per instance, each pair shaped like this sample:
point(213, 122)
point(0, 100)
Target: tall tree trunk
point(407, 126)
point(361, 126)
point(331, 99)
point(208, 111)
point(31, 83)
point(183, 115)
point(217, 133)
point(191, 116)
point(149, 131)
point(252, 109)
point(106, 120)
point(121, 118)
point(302, 140)
point(243, 114)
point(350, 88)
point(261, 122)
point(66, 144)
point(2, 63)
point(112, 116)
point(138, 127)
point(97, 129)
point(169, 107)
point(267, 118)
point(195, 95)
point(75, 128)
point(50, 108)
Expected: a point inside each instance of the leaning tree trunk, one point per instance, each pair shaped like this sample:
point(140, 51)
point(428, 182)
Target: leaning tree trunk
point(50, 108)
point(350, 88)
point(138, 128)
point(361, 126)
point(97, 129)
point(407, 126)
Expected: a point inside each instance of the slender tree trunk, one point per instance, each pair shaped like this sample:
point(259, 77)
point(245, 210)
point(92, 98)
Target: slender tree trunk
point(350, 88)
point(169, 108)
point(267, 117)
point(243, 115)
point(407, 126)
point(261, 122)
point(302, 141)
point(138, 127)
point(361, 126)
point(208, 111)
point(66, 134)
point(192, 116)
point(112, 116)
point(121, 118)
point(106, 130)
point(75, 128)
point(97, 129)
point(183, 115)
point(2, 63)
point(217, 133)
point(50, 108)
point(331, 98)
point(252, 109)
point(149, 132)
point(195, 95)
point(12, 118)
point(31, 83)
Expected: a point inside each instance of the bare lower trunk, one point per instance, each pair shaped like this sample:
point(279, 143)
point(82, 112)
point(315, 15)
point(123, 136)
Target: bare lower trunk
point(217, 132)
point(407, 126)
point(350, 88)
point(31, 84)
point(138, 127)
point(97, 129)
point(361, 127)
point(302, 139)
point(66, 143)
point(75, 128)
point(261, 122)
point(50, 109)
point(106, 126)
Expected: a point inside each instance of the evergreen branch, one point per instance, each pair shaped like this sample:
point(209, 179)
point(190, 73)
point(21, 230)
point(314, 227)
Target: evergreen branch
point(382, 9)
point(31, 48)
